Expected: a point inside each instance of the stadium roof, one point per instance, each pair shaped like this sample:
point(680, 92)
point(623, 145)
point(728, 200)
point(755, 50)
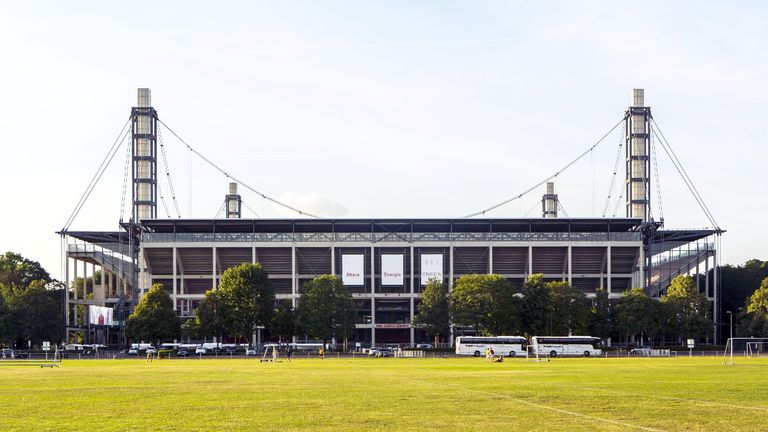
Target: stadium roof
point(391, 225)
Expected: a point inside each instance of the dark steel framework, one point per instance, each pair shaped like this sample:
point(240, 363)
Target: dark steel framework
point(630, 135)
point(136, 134)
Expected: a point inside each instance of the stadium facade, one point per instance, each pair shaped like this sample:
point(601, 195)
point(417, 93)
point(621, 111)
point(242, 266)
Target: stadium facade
point(384, 262)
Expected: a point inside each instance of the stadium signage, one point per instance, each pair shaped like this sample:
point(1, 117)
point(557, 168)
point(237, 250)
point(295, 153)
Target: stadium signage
point(392, 269)
point(431, 268)
point(100, 316)
point(352, 269)
point(393, 326)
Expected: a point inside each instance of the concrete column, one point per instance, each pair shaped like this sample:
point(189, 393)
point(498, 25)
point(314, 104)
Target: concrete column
point(450, 286)
point(530, 260)
point(373, 296)
point(570, 265)
point(74, 293)
point(213, 272)
point(490, 259)
point(642, 268)
point(333, 260)
point(253, 255)
point(175, 282)
point(294, 280)
point(716, 305)
point(450, 268)
point(67, 300)
point(610, 270)
point(413, 305)
point(706, 279)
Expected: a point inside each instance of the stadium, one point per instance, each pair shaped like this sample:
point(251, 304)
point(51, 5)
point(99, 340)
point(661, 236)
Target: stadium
point(383, 262)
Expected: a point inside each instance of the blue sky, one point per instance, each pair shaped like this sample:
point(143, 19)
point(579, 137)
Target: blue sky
point(381, 109)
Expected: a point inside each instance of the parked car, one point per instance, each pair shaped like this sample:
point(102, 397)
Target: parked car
point(231, 350)
point(133, 351)
point(201, 350)
point(151, 350)
point(182, 352)
point(380, 352)
point(641, 351)
point(7, 353)
point(251, 352)
point(424, 346)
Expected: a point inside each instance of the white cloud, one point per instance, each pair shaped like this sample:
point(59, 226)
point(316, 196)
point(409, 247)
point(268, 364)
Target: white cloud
point(318, 204)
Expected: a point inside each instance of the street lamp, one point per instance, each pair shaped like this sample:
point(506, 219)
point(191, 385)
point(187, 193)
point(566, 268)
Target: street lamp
point(730, 316)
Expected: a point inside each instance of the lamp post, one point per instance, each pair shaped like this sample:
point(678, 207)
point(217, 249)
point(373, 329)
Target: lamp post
point(730, 316)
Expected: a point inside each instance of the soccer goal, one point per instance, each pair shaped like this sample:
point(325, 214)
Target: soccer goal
point(751, 347)
point(270, 353)
point(55, 361)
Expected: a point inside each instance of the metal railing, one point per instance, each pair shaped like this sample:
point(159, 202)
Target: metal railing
point(393, 237)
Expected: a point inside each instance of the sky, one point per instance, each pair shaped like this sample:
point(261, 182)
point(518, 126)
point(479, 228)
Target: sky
point(380, 109)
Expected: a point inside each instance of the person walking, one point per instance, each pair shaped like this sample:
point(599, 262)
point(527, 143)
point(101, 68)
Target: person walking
point(289, 353)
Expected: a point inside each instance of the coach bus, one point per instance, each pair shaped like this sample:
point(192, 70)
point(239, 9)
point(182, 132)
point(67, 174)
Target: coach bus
point(502, 345)
point(554, 346)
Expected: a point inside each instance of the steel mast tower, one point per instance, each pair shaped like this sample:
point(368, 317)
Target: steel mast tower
point(233, 202)
point(637, 127)
point(549, 202)
point(144, 158)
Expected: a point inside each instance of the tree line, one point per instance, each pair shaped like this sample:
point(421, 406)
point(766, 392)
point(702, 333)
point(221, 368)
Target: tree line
point(32, 307)
point(489, 304)
point(243, 302)
point(31, 303)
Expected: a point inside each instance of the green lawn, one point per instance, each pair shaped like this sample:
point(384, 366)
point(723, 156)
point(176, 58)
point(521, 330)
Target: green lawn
point(690, 394)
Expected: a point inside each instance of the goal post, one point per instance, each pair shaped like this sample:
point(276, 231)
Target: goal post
point(748, 343)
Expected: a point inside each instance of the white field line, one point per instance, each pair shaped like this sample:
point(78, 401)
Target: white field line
point(558, 410)
point(536, 405)
point(697, 401)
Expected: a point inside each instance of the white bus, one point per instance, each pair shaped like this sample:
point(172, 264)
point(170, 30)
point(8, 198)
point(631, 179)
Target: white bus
point(554, 346)
point(509, 346)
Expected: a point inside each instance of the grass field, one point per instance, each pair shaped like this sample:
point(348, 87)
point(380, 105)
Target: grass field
point(691, 394)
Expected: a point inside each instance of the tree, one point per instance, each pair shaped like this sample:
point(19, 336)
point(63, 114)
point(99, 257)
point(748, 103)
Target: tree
point(5, 318)
point(36, 314)
point(210, 316)
point(283, 324)
point(506, 311)
point(433, 316)
point(601, 318)
point(486, 302)
point(17, 272)
point(754, 320)
point(248, 298)
point(325, 309)
point(685, 309)
point(471, 302)
point(568, 309)
point(535, 308)
point(637, 314)
point(738, 283)
point(153, 319)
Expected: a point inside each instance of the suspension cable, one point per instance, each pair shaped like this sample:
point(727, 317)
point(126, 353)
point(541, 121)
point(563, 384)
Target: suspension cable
point(162, 200)
point(612, 185)
point(568, 165)
point(618, 202)
point(220, 209)
point(538, 203)
point(227, 175)
point(559, 204)
point(249, 208)
point(99, 172)
point(656, 172)
point(125, 181)
point(681, 170)
point(168, 174)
